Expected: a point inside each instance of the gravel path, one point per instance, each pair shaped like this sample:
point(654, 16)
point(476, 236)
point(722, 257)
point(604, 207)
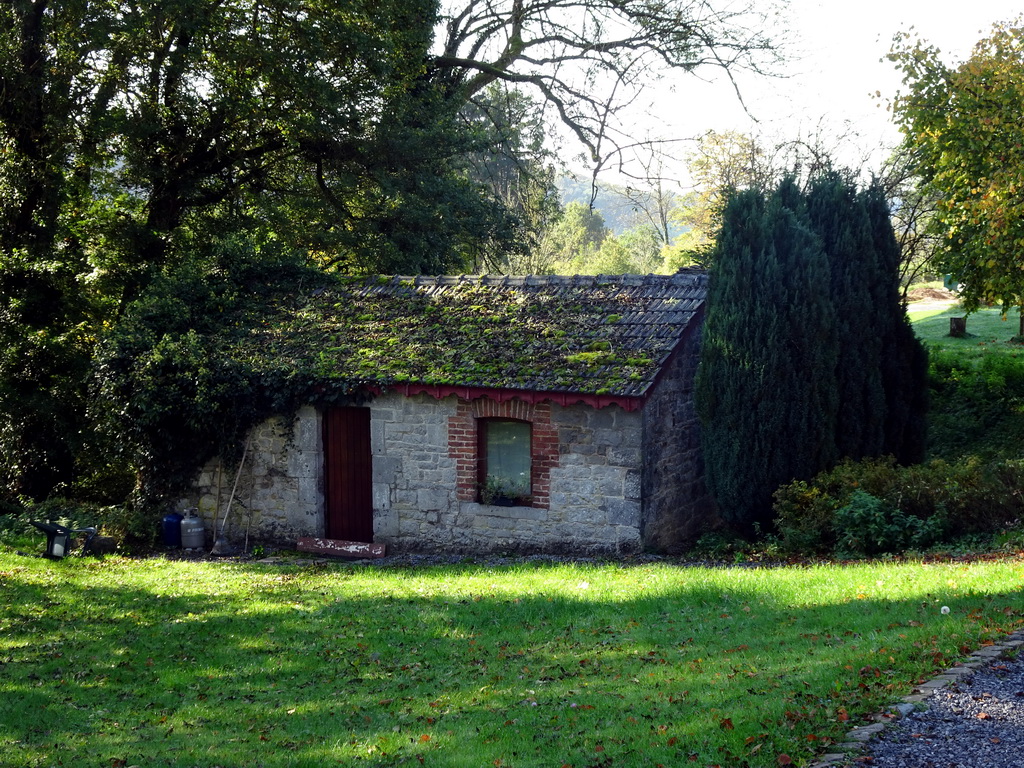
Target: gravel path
point(976, 722)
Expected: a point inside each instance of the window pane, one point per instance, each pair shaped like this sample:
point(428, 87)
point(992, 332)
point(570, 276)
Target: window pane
point(508, 456)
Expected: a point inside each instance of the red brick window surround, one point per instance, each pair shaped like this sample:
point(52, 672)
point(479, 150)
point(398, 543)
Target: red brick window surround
point(463, 444)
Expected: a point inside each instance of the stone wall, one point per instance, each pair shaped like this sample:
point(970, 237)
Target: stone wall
point(677, 506)
point(414, 478)
point(587, 477)
point(596, 487)
point(279, 496)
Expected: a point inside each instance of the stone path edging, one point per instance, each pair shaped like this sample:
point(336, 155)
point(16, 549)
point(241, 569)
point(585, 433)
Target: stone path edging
point(857, 738)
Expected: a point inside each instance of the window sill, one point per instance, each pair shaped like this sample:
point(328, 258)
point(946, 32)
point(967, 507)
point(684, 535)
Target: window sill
point(521, 512)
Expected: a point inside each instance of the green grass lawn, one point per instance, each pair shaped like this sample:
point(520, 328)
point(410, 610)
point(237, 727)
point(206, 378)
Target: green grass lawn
point(989, 331)
point(160, 663)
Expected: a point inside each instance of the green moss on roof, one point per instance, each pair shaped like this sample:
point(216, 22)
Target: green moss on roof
point(606, 335)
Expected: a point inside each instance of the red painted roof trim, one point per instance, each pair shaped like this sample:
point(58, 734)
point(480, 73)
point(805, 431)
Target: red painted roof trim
point(530, 396)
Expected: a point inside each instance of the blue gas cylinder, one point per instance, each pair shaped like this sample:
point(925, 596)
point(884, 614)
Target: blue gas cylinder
point(171, 529)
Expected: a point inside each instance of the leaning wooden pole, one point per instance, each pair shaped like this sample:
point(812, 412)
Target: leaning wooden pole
point(220, 546)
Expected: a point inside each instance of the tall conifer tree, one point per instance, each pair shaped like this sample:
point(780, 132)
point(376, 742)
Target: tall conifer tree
point(839, 216)
point(903, 360)
point(808, 356)
point(767, 339)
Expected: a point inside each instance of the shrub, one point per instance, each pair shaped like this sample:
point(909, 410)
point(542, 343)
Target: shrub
point(131, 524)
point(932, 500)
point(977, 405)
point(805, 517)
point(126, 524)
point(867, 525)
point(73, 514)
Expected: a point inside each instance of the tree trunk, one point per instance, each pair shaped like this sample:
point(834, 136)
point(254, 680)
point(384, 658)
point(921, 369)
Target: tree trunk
point(958, 327)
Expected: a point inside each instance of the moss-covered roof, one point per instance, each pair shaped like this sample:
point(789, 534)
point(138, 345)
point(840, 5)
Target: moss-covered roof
point(606, 335)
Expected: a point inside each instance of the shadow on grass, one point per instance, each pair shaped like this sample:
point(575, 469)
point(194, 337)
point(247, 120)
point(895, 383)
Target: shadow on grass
point(535, 666)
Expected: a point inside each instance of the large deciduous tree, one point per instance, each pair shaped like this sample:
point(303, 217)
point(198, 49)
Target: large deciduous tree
point(965, 126)
point(588, 59)
point(513, 164)
point(134, 134)
point(131, 131)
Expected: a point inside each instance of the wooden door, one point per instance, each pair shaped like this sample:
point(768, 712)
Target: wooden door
point(348, 479)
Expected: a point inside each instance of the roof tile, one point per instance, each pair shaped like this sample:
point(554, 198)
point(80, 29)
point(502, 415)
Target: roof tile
point(606, 334)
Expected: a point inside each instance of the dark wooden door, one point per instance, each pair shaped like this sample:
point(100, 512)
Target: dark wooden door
point(348, 479)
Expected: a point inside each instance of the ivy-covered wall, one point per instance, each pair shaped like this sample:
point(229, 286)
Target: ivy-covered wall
point(279, 495)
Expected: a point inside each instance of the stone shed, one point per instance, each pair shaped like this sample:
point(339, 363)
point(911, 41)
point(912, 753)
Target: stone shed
point(484, 414)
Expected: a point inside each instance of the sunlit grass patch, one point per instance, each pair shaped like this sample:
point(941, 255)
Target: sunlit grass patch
point(162, 663)
point(989, 331)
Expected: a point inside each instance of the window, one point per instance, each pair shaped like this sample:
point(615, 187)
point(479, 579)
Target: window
point(505, 461)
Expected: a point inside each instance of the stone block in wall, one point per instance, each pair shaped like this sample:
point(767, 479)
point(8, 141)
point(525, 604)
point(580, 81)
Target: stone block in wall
point(568, 459)
point(611, 438)
point(304, 465)
point(207, 505)
point(503, 525)
point(309, 491)
point(566, 501)
point(433, 478)
point(307, 435)
point(507, 513)
point(437, 435)
point(385, 523)
point(623, 512)
point(632, 487)
point(427, 498)
point(612, 483)
point(626, 456)
point(405, 498)
point(569, 435)
point(378, 443)
point(385, 468)
point(381, 414)
point(571, 415)
point(583, 514)
point(603, 418)
point(424, 459)
point(381, 496)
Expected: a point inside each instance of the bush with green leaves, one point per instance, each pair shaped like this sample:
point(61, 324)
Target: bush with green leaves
point(867, 525)
point(125, 523)
point(977, 404)
point(950, 499)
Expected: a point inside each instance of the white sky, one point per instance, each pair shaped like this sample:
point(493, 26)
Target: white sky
point(839, 44)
